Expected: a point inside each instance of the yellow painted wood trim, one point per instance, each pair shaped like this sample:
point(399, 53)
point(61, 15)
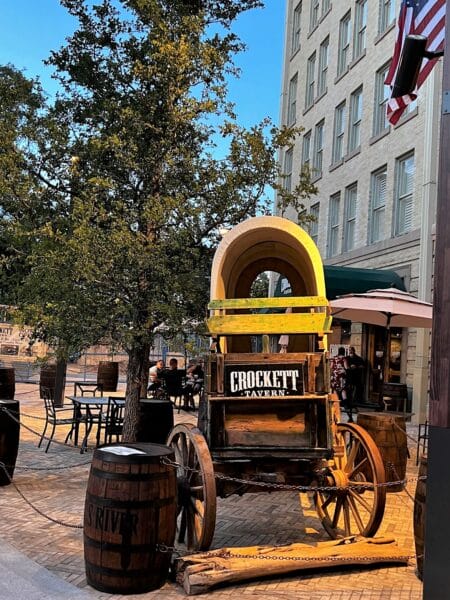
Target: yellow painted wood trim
point(288, 302)
point(269, 323)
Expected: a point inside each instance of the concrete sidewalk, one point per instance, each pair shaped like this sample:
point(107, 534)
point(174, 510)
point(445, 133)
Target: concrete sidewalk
point(23, 579)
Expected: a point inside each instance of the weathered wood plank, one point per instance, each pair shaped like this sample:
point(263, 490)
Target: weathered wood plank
point(288, 302)
point(201, 572)
point(266, 324)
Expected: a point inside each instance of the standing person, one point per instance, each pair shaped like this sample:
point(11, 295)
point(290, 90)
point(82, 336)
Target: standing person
point(338, 372)
point(154, 376)
point(355, 377)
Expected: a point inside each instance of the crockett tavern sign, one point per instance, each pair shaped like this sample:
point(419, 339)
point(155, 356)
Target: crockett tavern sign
point(256, 380)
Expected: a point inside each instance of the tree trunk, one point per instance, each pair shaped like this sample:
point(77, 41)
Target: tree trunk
point(199, 573)
point(137, 379)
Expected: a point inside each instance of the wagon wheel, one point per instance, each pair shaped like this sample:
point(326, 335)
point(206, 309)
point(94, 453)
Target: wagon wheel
point(350, 511)
point(196, 487)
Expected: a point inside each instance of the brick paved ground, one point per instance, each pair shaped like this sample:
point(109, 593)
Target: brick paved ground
point(55, 484)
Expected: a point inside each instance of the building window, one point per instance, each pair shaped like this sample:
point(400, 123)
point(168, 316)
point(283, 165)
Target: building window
point(296, 28)
point(314, 18)
point(377, 205)
point(387, 14)
point(287, 169)
point(359, 42)
point(351, 196)
point(405, 169)
point(345, 27)
point(333, 225)
point(314, 224)
point(323, 67)
point(338, 133)
point(310, 80)
point(326, 5)
point(380, 122)
point(306, 150)
point(292, 101)
point(318, 149)
point(354, 138)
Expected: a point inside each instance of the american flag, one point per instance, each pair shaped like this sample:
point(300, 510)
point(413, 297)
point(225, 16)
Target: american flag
point(419, 17)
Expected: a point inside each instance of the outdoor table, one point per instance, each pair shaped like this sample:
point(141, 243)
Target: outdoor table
point(88, 403)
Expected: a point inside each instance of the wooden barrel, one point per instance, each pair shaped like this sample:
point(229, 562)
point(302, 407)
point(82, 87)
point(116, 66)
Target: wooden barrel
point(130, 511)
point(156, 420)
point(388, 431)
point(9, 438)
point(47, 378)
point(419, 516)
point(7, 383)
point(108, 375)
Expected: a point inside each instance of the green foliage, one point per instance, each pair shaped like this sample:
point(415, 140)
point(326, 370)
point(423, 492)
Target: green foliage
point(111, 196)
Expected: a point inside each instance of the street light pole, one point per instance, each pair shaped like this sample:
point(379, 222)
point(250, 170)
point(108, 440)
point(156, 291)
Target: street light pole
point(437, 534)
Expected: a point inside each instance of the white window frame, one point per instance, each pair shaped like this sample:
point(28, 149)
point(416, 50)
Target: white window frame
point(318, 149)
point(323, 66)
point(310, 80)
point(296, 27)
point(350, 211)
point(314, 14)
point(360, 28)
point(326, 5)
point(338, 132)
point(292, 101)
point(287, 169)
point(345, 36)
point(378, 194)
point(314, 225)
point(334, 233)
point(404, 194)
point(306, 149)
point(380, 122)
point(386, 14)
point(355, 118)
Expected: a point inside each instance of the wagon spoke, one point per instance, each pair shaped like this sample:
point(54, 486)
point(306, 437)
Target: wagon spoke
point(361, 500)
point(337, 511)
point(354, 509)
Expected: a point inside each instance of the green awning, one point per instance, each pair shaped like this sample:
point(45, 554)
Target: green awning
point(352, 280)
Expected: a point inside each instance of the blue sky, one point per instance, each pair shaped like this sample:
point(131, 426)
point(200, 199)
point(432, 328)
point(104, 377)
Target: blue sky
point(29, 29)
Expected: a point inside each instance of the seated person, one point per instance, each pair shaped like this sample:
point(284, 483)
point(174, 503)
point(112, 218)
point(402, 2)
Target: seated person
point(173, 378)
point(154, 376)
point(194, 382)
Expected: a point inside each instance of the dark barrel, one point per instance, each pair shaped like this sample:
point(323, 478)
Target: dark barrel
point(419, 516)
point(130, 512)
point(108, 375)
point(9, 437)
point(7, 383)
point(156, 420)
point(388, 431)
point(47, 378)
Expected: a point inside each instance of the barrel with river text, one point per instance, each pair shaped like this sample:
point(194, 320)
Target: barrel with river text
point(108, 375)
point(7, 383)
point(419, 515)
point(129, 518)
point(388, 431)
point(9, 438)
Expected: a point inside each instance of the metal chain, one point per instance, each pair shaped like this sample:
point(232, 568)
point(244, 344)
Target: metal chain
point(296, 488)
point(65, 445)
point(229, 554)
point(35, 508)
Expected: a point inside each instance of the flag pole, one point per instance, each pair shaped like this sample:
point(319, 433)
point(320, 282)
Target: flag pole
point(437, 534)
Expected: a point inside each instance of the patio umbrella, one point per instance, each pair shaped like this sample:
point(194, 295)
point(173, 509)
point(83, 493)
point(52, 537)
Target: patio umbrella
point(387, 308)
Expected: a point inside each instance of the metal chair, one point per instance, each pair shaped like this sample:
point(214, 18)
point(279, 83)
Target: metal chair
point(422, 439)
point(53, 418)
point(111, 421)
point(85, 388)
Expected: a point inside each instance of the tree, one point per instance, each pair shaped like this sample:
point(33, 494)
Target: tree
point(138, 196)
